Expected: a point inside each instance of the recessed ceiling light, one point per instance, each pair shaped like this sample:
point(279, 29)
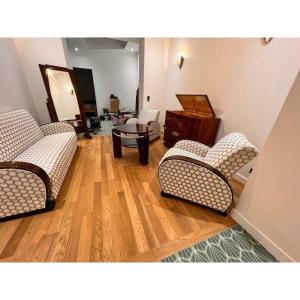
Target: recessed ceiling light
point(76, 49)
point(132, 49)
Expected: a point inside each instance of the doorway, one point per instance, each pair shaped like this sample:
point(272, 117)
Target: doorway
point(86, 90)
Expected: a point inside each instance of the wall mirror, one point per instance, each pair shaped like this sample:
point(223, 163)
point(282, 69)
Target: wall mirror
point(63, 103)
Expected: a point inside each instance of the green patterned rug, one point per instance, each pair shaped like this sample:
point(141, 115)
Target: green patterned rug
point(232, 245)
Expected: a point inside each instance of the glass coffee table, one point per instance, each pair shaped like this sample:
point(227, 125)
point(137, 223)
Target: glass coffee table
point(142, 136)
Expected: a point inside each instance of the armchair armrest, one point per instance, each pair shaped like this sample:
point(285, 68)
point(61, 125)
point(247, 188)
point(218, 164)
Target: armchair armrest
point(155, 124)
point(56, 127)
point(25, 189)
point(192, 146)
point(196, 181)
point(132, 121)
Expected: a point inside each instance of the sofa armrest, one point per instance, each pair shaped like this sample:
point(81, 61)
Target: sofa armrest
point(24, 188)
point(56, 127)
point(192, 146)
point(196, 181)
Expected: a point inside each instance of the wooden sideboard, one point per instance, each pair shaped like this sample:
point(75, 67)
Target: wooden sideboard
point(197, 121)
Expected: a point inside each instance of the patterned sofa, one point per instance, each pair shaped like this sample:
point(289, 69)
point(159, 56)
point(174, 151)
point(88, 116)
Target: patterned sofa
point(148, 117)
point(195, 172)
point(33, 163)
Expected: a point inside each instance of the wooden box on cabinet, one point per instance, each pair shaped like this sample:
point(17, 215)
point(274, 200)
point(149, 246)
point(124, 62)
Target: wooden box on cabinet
point(197, 121)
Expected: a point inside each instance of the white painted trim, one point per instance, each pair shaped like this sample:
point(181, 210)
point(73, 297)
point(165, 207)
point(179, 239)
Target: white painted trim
point(274, 249)
point(240, 178)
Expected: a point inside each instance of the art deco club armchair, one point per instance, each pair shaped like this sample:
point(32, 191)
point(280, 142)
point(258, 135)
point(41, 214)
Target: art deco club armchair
point(195, 172)
point(148, 117)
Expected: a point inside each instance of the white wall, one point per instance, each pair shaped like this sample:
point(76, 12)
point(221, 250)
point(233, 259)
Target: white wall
point(14, 91)
point(269, 207)
point(114, 72)
point(246, 82)
point(35, 51)
point(154, 74)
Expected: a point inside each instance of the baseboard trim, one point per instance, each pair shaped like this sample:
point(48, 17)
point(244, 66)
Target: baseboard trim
point(274, 249)
point(240, 178)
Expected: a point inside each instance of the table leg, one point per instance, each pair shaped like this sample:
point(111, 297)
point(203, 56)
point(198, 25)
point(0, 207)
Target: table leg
point(143, 144)
point(116, 143)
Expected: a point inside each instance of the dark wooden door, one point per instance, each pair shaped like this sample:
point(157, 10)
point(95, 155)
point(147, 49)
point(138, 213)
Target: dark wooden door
point(85, 84)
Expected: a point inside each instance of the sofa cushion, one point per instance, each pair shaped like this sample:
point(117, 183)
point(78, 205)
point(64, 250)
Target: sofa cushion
point(53, 153)
point(18, 131)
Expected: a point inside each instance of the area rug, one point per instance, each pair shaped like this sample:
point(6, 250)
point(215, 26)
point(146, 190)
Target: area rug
point(106, 128)
point(232, 245)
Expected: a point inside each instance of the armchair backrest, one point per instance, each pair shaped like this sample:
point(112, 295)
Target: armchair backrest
point(230, 154)
point(18, 131)
point(148, 115)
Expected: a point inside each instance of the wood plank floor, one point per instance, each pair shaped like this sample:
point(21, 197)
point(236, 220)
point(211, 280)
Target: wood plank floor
point(110, 210)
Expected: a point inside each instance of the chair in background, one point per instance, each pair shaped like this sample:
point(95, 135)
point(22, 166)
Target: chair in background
point(148, 117)
point(198, 173)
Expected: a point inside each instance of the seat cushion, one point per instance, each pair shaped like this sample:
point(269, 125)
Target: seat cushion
point(18, 131)
point(53, 153)
point(192, 146)
point(180, 152)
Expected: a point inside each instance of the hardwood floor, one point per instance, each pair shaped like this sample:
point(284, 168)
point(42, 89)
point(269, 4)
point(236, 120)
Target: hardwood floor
point(110, 210)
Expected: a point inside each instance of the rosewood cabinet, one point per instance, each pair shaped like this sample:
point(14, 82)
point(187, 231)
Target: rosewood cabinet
point(197, 121)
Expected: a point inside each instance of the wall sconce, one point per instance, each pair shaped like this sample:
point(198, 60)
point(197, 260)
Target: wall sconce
point(180, 60)
point(267, 40)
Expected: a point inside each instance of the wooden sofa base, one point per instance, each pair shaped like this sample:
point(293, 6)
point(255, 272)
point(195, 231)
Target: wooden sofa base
point(50, 204)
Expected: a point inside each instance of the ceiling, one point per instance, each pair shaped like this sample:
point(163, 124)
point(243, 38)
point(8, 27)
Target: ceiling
point(126, 45)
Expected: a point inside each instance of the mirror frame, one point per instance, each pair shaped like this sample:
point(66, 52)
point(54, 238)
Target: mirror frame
point(50, 103)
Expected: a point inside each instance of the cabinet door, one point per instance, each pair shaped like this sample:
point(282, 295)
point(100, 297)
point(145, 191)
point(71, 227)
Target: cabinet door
point(184, 128)
point(195, 133)
point(171, 130)
point(177, 128)
point(205, 131)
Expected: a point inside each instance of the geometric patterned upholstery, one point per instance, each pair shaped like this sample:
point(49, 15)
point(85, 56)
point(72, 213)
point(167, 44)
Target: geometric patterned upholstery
point(230, 154)
point(55, 161)
point(17, 198)
point(194, 183)
point(23, 187)
point(56, 127)
point(18, 131)
point(201, 174)
point(148, 115)
point(192, 146)
point(151, 115)
point(177, 151)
